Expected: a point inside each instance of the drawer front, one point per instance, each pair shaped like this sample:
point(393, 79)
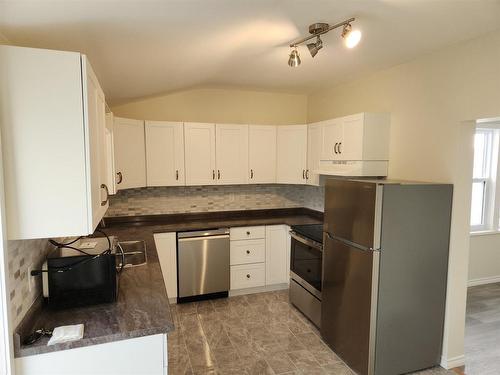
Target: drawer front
point(248, 251)
point(248, 276)
point(247, 233)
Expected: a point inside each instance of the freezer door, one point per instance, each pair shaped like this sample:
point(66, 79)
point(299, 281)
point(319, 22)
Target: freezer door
point(348, 307)
point(352, 211)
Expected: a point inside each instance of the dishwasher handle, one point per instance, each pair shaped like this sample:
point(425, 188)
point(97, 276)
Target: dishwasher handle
point(201, 238)
point(209, 233)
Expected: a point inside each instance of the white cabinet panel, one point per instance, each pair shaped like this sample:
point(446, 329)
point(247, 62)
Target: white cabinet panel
point(277, 254)
point(248, 276)
point(166, 247)
point(351, 147)
point(164, 153)
point(262, 154)
point(199, 143)
point(110, 154)
point(248, 251)
point(291, 154)
point(314, 145)
point(247, 233)
point(130, 153)
point(332, 139)
point(51, 143)
point(231, 153)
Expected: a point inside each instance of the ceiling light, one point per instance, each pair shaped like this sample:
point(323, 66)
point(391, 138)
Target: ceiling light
point(315, 47)
point(294, 59)
point(351, 37)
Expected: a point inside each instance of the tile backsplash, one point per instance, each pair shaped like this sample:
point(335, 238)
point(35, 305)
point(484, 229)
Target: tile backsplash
point(21, 255)
point(182, 199)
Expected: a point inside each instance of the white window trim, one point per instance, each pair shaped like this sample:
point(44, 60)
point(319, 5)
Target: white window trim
point(491, 209)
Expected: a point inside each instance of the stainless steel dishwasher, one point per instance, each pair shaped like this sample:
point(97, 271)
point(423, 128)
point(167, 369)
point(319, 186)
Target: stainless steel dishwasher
point(202, 264)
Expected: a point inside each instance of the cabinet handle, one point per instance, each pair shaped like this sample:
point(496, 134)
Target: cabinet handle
point(248, 275)
point(335, 148)
point(307, 174)
point(119, 174)
point(248, 233)
point(340, 150)
point(248, 251)
point(104, 202)
point(251, 173)
point(177, 174)
point(303, 174)
point(218, 174)
point(213, 174)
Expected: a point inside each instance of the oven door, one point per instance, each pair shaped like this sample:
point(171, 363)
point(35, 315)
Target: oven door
point(306, 261)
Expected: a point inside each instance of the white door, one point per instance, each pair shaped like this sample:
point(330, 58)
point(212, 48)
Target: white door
point(277, 254)
point(351, 147)
point(130, 153)
point(291, 154)
point(96, 117)
point(314, 144)
point(231, 150)
point(110, 155)
point(332, 139)
point(164, 153)
point(199, 151)
point(261, 154)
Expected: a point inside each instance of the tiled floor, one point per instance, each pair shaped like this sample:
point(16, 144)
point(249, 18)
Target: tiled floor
point(253, 334)
point(482, 330)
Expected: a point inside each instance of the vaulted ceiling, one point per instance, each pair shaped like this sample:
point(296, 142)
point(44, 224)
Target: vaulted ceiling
point(142, 48)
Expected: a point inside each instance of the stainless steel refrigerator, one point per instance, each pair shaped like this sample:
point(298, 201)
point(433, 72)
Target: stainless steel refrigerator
point(385, 263)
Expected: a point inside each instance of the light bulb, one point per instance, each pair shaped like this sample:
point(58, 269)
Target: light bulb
point(352, 38)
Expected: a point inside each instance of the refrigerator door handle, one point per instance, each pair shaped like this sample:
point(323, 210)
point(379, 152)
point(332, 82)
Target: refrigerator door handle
point(349, 243)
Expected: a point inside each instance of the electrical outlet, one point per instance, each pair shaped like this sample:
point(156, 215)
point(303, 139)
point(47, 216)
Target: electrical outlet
point(31, 279)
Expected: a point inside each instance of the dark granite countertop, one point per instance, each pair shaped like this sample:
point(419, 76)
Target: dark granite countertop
point(142, 307)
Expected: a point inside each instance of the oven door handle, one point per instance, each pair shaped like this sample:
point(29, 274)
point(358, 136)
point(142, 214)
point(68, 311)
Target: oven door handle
point(306, 241)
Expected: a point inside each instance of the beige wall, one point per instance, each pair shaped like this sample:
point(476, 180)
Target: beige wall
point(219, 105)
point(429, 100)
point(484, 259)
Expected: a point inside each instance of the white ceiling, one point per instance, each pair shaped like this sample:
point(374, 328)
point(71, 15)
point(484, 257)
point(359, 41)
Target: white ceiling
point(140, 48)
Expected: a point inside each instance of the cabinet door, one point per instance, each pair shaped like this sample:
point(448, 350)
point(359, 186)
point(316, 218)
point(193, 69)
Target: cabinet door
point(110, 156)
point(130, 153)
point(262, 154)
point(332, 139)
point(291, 154)
point(277, 254)
point(351, 146)
point(166, 247)
point(164, 153)
point(96, 123)
point(199, 150)
point(314, 144)
point(231, 153)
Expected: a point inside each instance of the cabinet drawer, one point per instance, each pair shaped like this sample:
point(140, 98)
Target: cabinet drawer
point(248, 276)
point(247, 233)
point(248, 251)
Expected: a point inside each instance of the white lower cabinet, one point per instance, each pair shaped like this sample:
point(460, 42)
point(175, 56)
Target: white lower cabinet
point(277, 254)
point(248, 276)
point(141, 355)
point(166, 247)
point(248, 251)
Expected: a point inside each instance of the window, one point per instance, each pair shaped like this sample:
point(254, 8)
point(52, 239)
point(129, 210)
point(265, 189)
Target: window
point(485, 200)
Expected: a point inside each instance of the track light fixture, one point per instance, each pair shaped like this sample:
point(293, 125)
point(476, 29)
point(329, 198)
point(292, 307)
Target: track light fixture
point(351, 39)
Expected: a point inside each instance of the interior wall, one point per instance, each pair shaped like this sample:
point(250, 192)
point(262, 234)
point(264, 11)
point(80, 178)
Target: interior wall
point(219, 106)
point(429, 99)
point(484, 266)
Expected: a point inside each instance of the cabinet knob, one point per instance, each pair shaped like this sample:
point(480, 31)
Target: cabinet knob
point(251, 173)
point(213, 174)
point(248, 251)
point(248, 233)
point(176, 174)
point(303, 174)
point(307, 174)
point(248, 275)
point(120, 178)
point(218, 174)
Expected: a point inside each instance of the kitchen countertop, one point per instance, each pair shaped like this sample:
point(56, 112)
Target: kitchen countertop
point(142, 307)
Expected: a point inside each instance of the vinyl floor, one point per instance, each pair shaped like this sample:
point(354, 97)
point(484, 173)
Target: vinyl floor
point(253, 334)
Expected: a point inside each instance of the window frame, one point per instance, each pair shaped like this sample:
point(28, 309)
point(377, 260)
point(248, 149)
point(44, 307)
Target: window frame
point(491, 200)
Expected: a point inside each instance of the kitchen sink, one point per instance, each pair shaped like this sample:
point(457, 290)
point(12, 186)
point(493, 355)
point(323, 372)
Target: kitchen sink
point(134, 254)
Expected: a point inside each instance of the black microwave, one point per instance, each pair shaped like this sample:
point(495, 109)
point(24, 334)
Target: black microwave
point(72, 278)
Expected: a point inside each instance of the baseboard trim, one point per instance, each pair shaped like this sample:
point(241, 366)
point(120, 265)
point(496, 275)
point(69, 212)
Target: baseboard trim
point(449, 363)
point(260, 289)
point(484, 280)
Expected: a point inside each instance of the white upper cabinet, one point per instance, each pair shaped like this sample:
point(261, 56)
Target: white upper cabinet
point(52, 122)
point(291, 154)
point(130, 153)
point(110, 154)
point(314, 145)
point(164, 153)
point(333, 131)
point(199, 149)
point(261, 154)
point(231, 147)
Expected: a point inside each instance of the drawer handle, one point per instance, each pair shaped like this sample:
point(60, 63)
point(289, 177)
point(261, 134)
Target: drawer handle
point(248, 233)
point(248, 251)
point(248, 275)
